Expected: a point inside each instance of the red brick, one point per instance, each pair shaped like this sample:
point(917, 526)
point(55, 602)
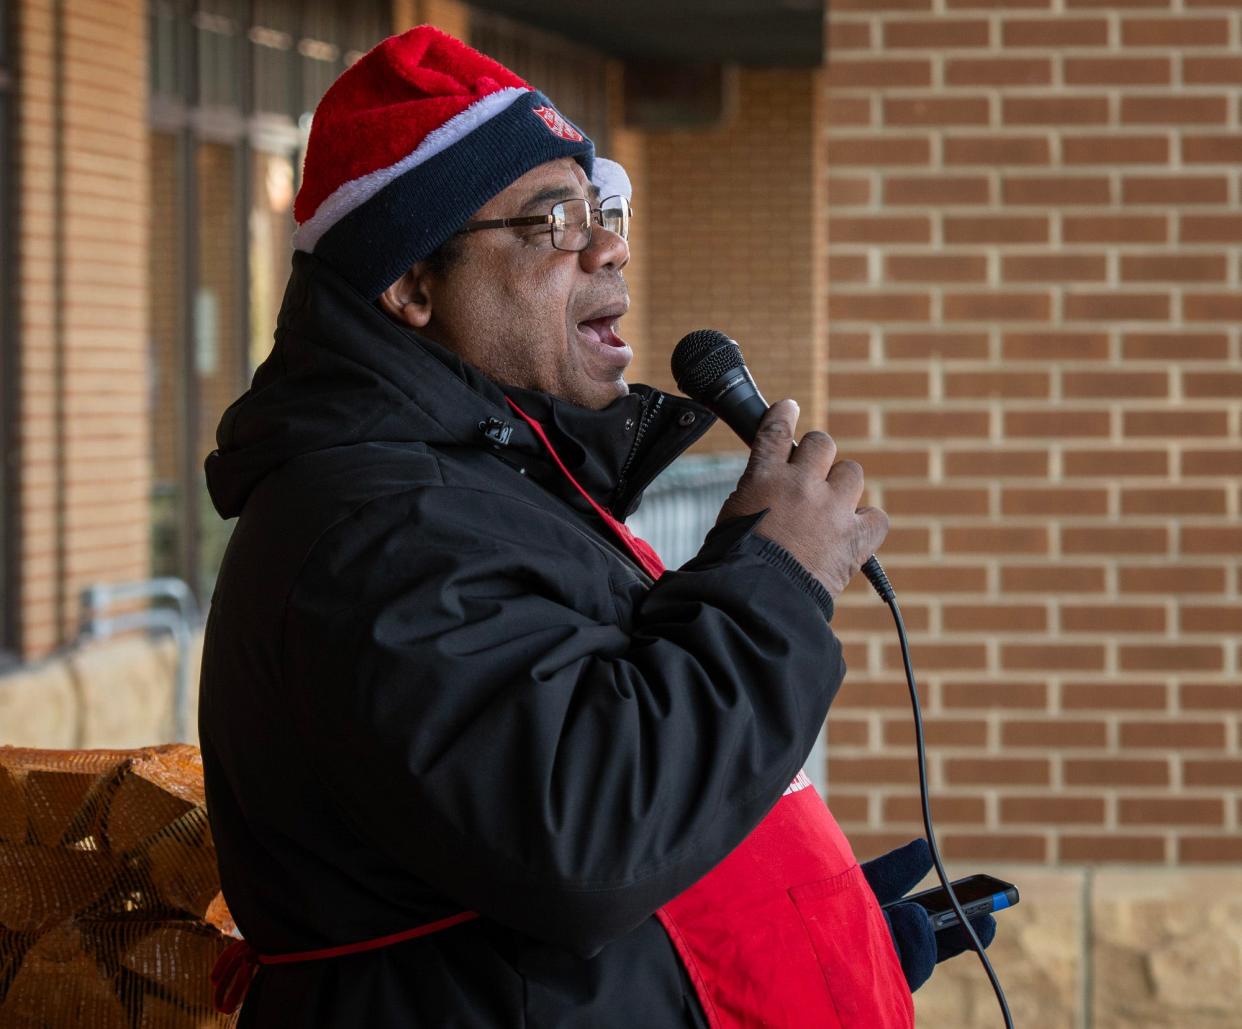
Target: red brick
point(1054, 500)
point(936, 268)
point(997, 150)
point(1225, 71)
point(946, 809)
point(847, 424)
point(850, 731)
point(846, 35)
point(878, 384)
point(1175, 189)
point(1212, 307)
point(954, 5)
point(989, 771)
point(1115, 384)
point(1112, 618)
point(871, 617)
point(892, 464)
point(1212, 772)
point(935, 424)
point(877, 73)
point(1171, 346)
point(1116, 306)
point(939, 190)
point(1174, 268)
point(1172, 500)
point(996, 306)
point(937, 732)
point(1174, 111)
point(879, 229)
point(849, 807)
point(995, 618)
point(1055, 423)
point(851, 111)
point(1010, 694)
point(1090, 696)
point(1217, 228)
point(996, 384)
point(869, 770)
point(1164, 579)
point(1116, 772)
point(1055, 32)
point(1055, 346)
point(849, 346)
point(1164, 811)
point(1060, 810)
point(879, 306)
point(1209, 849)
point(998, 71)
point(1054, 268)
point(881, 5)
point(1177, 735)
point(1114, 540)
point(1212, 149)
point(938, 33)
point(938, 578)
point(874, 151)
point(1113, 847)
point(870, 694)
point(989, 464)
point(1174, 32)
point(944, 346)
point(1061, 656)
point(1211, 540)
point(846, 190)
point(936, 111)
point(996, 229)
point(867, 844)
point(847, 268)
point(1054, 733)
point(935, 500)
point(1113, 150)
point(1114, 229)
point(1218, 618)
point(1210, 696)
point(1114, 462)
point(1170, 658)
point(1118, 71)
point(993, 846)
point(1054, 110)
point(1212, 462)
point(1045, 578)
point(1175, 423)
point(1056, 191)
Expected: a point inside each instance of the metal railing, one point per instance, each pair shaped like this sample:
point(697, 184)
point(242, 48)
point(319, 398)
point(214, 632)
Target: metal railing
point(179, 621)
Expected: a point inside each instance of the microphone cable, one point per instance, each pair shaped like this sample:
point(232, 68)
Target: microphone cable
point(879, 580)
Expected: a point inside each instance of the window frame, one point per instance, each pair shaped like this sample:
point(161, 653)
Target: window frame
point(10, 365)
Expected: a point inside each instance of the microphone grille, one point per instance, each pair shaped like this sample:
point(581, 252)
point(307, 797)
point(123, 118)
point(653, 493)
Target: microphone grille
point(702, 357)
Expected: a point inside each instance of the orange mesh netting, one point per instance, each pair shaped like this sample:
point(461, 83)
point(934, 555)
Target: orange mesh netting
point(110, 906)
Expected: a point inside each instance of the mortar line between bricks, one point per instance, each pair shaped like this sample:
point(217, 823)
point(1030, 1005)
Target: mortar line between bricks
point(1088, 928)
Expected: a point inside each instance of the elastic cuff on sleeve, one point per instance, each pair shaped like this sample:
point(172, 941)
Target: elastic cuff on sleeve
point(781, 558)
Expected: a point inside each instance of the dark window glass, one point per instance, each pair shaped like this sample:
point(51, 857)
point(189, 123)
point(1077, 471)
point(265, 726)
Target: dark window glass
point(219, 26)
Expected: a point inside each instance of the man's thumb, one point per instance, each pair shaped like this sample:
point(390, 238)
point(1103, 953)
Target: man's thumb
point(775, 436)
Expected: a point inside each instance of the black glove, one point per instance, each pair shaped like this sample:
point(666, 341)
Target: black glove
point(919, 947)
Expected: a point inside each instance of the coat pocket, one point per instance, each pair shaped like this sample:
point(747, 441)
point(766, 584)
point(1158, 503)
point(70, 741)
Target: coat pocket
point(855, 952)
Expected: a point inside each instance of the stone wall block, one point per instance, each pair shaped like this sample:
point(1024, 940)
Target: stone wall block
point(39, 707)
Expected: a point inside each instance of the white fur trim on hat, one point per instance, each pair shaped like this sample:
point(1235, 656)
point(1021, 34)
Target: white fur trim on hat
point(350, 195)
point(610, 178)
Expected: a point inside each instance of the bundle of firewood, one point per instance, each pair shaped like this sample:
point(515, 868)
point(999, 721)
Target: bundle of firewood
point(110, 906)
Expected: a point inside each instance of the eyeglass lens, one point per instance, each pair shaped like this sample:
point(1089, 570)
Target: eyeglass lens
point(571, 221)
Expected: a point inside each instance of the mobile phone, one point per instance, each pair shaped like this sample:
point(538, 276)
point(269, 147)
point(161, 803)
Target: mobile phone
point(977, 894)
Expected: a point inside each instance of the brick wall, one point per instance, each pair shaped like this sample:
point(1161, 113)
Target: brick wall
point(1035, 233)
point(732, 241)
point(82, 284)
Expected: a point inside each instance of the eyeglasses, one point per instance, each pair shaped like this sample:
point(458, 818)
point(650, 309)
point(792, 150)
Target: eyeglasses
point(570, 221)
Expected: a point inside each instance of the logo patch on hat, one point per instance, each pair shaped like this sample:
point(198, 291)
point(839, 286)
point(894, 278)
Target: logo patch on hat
point(557, 125)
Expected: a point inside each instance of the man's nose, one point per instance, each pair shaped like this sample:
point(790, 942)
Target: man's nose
point(606, 249)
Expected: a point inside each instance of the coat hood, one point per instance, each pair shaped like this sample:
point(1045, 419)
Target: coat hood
point(342, 372)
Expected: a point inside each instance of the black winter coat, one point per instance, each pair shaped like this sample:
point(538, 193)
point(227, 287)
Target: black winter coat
point(433, 681)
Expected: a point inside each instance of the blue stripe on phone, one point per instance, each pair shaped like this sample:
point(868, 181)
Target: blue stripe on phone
point(999, 901)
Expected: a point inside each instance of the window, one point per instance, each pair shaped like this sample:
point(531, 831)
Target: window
point(233, 85)
point(8, 340)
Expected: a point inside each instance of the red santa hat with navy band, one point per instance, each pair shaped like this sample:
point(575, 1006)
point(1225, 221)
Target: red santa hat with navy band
point(410, 141)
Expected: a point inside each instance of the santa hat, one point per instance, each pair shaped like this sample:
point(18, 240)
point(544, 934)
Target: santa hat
point(410, 141)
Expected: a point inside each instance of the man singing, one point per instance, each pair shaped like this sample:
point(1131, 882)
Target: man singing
point(473, 759)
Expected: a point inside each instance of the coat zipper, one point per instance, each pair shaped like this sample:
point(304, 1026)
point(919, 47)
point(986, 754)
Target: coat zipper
point(645, 418)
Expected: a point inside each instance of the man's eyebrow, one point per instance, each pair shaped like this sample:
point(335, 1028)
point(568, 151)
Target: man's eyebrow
point(546, 197)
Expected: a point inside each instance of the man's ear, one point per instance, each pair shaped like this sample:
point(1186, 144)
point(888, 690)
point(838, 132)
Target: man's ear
point(408, 300)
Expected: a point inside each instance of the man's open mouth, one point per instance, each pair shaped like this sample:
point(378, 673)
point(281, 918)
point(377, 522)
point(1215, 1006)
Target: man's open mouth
point(602, 330)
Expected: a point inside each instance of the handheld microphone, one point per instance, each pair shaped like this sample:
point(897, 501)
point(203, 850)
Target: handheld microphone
point(708, 367)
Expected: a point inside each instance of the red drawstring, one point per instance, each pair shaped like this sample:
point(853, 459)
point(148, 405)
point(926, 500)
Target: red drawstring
point(642, 551)
point(238, 962)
